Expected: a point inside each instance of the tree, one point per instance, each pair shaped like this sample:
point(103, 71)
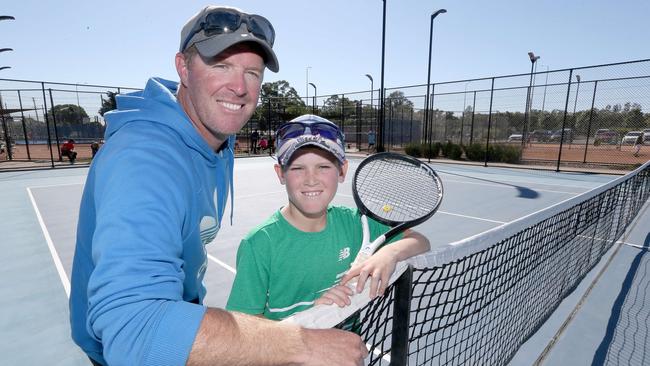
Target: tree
point(283, 101)
point(108, 104)
point(397, 99)
point(68, 113)
point(332, 107)
point(634, 118)
point(69, 119)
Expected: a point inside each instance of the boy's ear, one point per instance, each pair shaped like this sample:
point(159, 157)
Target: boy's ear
point(279, 172)
point(343, 172)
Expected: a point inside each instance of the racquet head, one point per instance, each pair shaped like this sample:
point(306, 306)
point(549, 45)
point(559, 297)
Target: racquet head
point(396, 189)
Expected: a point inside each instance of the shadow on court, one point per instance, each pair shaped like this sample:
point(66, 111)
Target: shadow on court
point(625, 340)
point(524, 192)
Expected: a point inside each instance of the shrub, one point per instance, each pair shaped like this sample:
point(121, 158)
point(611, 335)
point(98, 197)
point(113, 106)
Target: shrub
point(414, 150)
point(475, 152)
point(510, 154)
point(503, 153)
point(454, 152)
point(431, 151)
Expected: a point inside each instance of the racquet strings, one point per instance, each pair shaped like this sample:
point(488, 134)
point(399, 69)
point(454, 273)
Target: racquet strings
point(397, 190)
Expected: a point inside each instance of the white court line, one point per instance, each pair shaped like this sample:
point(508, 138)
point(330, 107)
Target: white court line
point(587, 185)
point(222, 264)
point(449, 213)
point(58, 185)
point(473, 217)
point(510, 186)
point(55, 256)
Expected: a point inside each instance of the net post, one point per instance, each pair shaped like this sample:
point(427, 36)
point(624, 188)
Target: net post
point(401, 312)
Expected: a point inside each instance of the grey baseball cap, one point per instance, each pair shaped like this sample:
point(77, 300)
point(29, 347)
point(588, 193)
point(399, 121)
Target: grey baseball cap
point(252, 28)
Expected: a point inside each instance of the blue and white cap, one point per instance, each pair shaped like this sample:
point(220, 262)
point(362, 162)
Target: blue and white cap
point(309, 130)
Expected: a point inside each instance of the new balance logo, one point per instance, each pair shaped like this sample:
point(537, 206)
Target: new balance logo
point(344, 253)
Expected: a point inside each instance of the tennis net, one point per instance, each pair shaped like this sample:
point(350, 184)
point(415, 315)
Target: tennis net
point(476, 301)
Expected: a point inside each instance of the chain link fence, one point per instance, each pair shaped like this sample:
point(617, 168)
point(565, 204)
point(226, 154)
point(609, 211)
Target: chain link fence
point(584, 117)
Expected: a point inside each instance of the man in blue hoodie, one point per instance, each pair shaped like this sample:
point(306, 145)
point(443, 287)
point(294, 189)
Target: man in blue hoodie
point(154, 197)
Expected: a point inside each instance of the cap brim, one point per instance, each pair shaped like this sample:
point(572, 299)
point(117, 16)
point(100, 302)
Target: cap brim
point(287, 152)
point(213, 46)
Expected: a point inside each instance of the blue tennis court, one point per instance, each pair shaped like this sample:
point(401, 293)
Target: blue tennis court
point(39, 225)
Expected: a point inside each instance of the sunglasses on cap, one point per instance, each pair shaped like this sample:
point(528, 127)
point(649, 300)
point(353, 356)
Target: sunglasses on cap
point(292, 130)
point(228, 21)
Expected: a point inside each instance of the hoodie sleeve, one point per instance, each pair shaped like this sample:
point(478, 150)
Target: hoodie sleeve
point(135, 294)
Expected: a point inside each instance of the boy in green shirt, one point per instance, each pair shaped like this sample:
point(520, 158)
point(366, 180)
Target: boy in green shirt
point(302, 255)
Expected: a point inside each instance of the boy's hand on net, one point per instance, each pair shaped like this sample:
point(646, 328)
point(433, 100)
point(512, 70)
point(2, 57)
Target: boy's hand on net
point(339, 295)
point(379, 267)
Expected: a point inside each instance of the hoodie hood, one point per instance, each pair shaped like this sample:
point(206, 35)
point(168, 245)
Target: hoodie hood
point(157, 103)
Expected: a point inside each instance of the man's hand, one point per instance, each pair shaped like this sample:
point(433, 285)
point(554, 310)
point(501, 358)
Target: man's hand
point(333, 347)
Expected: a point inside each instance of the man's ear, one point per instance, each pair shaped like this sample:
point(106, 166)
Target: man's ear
point(182, 68)
point(343, 172)
point(280, 173)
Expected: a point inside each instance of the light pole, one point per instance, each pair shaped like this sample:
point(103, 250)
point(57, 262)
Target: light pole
point(533, 59)
point(462, 123)
point(426, 100)
point(307, 86)
point(575, 104)
point(372, 91)
point(380, 118)
point(545, 85)
point(6, 17)
point(313, 104)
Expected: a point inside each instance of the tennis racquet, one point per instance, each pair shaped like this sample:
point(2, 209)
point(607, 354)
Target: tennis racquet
point(396, 190)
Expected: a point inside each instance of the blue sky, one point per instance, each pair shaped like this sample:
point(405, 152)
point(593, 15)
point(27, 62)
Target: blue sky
point(122, 43)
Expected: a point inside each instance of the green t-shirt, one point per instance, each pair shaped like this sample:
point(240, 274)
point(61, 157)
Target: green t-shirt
point(282, 270)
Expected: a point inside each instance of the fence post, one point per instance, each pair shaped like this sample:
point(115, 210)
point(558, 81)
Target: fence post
point(401, 313)
point(22, 117)
point(566, 107)
point(431, 125)
point(487, 144)
point(56, 130)
point(359, 119)
point(47, 124)
point(471, 130)
point(591, 116)
point(343, 113)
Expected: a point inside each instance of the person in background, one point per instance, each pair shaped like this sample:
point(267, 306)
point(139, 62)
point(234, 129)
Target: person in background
point(155, 196)
point(372, 139)
point(255, 136)
point(94, 148)
point(67, 150)
point(637, 145)
point(264, 144)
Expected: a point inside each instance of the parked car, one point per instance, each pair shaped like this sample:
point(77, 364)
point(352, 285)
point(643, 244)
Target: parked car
point(630, 137)
point(541, 135)
point(605, 136)
point(515, 137)
point(557, 135)
point(646, 135)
